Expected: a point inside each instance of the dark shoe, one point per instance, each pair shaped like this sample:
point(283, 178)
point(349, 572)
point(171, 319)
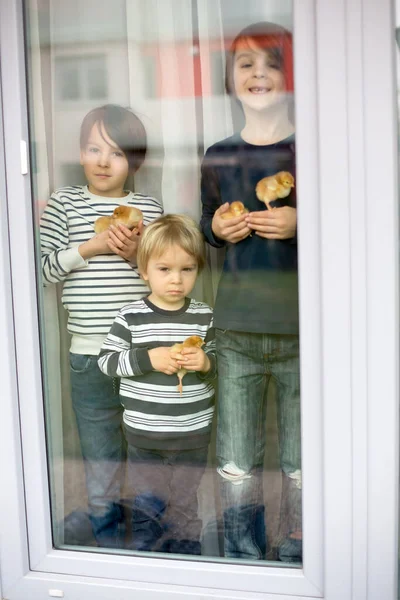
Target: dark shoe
point(190, 547)
point(110, 530)
point(291, 551)
point(147, 527)
point(78, 529)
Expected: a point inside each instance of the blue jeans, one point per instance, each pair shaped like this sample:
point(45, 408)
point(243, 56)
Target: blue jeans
point(98, 411)
point(246, 362)
point(165, 509)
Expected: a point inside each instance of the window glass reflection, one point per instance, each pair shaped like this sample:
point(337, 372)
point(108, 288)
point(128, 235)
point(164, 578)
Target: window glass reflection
point(397, 39)
point(138, 459)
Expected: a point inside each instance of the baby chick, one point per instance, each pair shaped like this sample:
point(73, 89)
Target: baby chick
point(274, 187)
point(194, 341)
point(236, 209)
point(126, 215)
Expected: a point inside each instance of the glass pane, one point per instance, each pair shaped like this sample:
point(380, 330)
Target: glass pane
point(96, 77)
point(397, 37)
point(68, 80)
point(130, 119)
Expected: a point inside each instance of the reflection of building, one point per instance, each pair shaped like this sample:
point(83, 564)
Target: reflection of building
point(92, 55)
point(81, 78)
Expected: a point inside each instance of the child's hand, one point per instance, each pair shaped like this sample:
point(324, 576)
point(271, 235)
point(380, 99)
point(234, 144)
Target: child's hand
point(98, 244)
point(161, 360)
point(277, 224)
point(232, 230)
point(193, 359)
point(123, 241)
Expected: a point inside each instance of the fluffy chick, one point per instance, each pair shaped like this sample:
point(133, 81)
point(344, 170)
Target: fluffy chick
point(236, 209)
point(194, 341)
point(274, 187)
point(126, 215)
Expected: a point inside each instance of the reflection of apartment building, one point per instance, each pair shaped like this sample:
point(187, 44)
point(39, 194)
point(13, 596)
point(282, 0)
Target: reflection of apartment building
point(90, 75)
point(93, 74)
point(120, 56)
point(81, 78)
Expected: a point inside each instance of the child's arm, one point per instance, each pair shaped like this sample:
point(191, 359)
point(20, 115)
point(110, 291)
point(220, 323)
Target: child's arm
point(54, 239)
point(118, 358)
point(217, 230)
point(210, 199)
point(98, 244)
point(57, 259)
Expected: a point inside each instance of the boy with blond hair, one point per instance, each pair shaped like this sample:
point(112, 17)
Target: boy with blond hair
point(167, 430)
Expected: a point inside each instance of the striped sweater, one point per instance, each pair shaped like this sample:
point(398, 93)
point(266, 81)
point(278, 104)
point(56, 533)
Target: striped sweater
point(94, 290)
point(156, 415)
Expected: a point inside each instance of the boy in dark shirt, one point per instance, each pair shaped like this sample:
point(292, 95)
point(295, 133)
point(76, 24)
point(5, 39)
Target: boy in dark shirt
point(256, 310)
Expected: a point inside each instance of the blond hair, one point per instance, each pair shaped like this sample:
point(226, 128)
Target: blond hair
point(167, 231)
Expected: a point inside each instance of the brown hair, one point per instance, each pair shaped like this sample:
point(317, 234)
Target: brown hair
point(123, 127)
point(271, 38)
point(167, 231)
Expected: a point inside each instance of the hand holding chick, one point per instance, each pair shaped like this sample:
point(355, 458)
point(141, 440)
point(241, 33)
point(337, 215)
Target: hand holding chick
point(232, 228)
point(189, 353)
point(277, 224)
point(124, 215)
point(236, 209)
point(274, 187)
point(123, 241)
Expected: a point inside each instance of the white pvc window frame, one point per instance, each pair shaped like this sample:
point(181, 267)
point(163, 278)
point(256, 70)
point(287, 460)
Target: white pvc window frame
point(346, 145)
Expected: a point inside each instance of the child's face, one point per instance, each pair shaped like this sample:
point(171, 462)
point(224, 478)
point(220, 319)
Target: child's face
point(259, 82)
point(171, 277)
point(106, 166)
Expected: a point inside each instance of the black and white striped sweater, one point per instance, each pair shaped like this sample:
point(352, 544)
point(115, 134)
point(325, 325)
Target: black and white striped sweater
point(94, 290)
point(156, 415)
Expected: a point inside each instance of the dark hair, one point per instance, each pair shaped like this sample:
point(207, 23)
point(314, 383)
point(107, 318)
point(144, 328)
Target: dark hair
point(122, 126)
point(270, 37)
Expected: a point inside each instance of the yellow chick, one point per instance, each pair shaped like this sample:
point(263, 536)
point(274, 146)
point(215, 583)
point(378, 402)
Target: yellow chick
point(126, 215)
point(236, 209)
point(193, 341)
point(274, 187)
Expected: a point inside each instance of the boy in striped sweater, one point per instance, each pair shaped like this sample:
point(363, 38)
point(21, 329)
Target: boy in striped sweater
point(167, 430)
point(100, 276)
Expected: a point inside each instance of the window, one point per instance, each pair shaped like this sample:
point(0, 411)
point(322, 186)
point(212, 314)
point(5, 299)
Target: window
point(101, 497)
point(81, 78)
point(338, 372)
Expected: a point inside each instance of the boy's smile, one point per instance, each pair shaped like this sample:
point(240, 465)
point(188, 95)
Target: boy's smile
point(259, 82)
point(171, 277)
point(105, 164)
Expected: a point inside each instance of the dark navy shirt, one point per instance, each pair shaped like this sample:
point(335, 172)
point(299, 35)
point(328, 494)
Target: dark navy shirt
point(258, 290)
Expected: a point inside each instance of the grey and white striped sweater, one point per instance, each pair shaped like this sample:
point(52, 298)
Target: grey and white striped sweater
point(156, 415)
point(94, 290)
